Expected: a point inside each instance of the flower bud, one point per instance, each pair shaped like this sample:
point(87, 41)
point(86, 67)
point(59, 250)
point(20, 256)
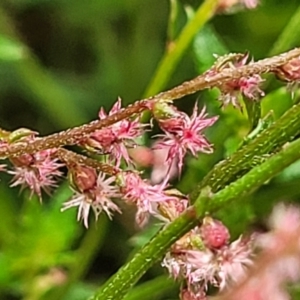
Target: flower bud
point(162, 110)
point(22, 160)
point(290, 71)
point(82, 178)
point(214, 234)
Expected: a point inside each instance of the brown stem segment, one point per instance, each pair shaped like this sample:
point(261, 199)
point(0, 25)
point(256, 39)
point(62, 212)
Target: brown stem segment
point(69, 157)
point(73, 135)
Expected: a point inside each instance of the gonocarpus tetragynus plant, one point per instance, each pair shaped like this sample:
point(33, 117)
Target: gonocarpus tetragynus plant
point(104, 171)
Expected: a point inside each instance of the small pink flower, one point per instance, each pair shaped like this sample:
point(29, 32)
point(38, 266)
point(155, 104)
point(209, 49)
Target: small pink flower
point(142, 156)
point(91, 191)
point(232, 91)
point(234, 261)
point(185, 136)
point(37, 171)
point(190, 258)
point(115, 139)
point(276, 265)
point(169, 210)
point(145, 196)
point(290, 72)
point(284, 221)
point(185, 294)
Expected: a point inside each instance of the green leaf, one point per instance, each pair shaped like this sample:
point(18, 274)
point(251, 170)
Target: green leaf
point(207, 43)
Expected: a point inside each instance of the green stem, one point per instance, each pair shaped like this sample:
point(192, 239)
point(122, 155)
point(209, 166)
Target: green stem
point(251, 181)
point(128, 275)
point(281, 132)
point(119, 284)
point(289, 36)
point(172, 57)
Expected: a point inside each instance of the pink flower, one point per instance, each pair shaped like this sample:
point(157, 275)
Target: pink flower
point(37, 171)
point(234, 261)
point(284, 221)
point(232, 91)
point(200, 266)
point(183, 134)
point(185, 294)
point(276, 265)
point(145, 196)
point(91, 191)
point(114, 140)
point(170, 209)
point(156, 159)
point(290, 72)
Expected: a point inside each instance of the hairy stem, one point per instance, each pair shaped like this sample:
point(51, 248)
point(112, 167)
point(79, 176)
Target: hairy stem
point(69, 157)
point(73, 135)
point(279, 133)
point(129, 274)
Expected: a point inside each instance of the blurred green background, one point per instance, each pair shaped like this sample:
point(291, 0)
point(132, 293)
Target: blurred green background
point(60, 61)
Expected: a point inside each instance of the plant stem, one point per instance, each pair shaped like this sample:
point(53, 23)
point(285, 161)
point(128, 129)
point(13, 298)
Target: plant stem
point(69, 158)
point(73, 135)
point(119, 284)
point(251, 181)
point(178, 47)
point(279, 133)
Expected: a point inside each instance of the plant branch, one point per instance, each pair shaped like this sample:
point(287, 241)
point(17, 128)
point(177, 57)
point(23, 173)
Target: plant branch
point(129, 274)
point(177, 48)
point(73, 135)
point(279, 133)
point(70, 157)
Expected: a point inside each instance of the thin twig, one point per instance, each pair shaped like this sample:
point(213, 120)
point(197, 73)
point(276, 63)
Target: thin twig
point(70, 157)
point(73, 135)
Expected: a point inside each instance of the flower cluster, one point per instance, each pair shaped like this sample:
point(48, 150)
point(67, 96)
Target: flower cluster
point(232, 91)
point(95, 191)
point(115, 139)
point(290, 73)
point(205, 257)
point(182, 134)
point(38, 171)
point(149, 199)
point(91, 190)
